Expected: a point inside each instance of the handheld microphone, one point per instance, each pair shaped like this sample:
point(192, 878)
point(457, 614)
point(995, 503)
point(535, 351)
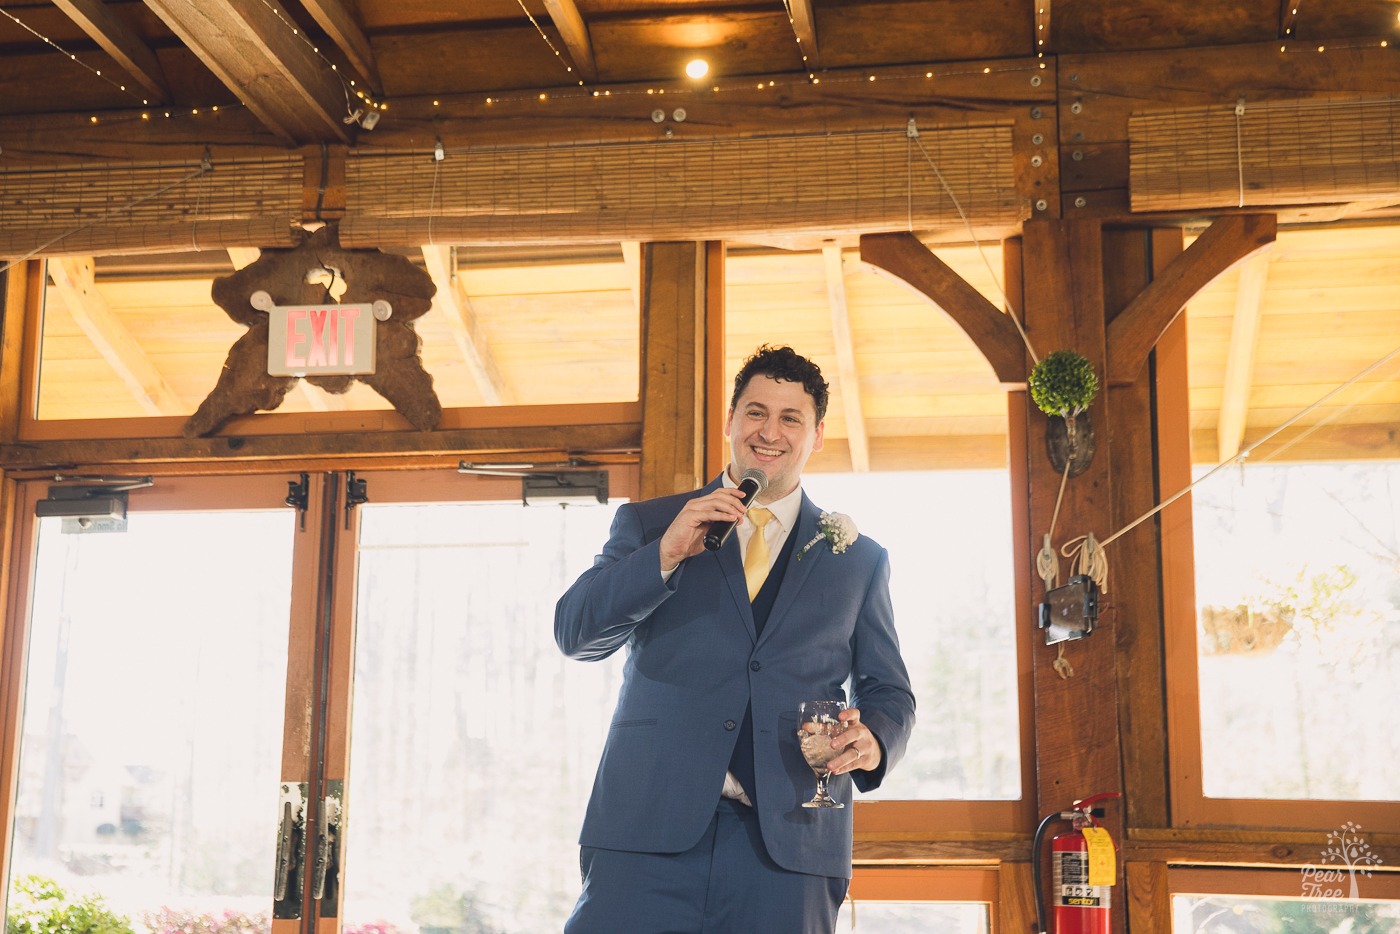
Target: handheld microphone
point(752, 483)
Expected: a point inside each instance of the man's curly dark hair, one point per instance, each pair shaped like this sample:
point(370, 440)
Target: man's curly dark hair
point(783, 363)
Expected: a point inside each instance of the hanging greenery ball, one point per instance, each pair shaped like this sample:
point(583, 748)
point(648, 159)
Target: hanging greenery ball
point(1063, 384)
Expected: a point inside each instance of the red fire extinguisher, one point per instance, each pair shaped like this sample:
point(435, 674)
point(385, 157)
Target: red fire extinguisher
point(1083, 863)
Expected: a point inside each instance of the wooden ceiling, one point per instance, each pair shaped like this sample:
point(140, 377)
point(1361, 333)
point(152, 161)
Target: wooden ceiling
point(197, 53)
point(92, 81)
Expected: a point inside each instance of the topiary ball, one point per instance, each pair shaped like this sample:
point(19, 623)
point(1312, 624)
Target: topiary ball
point(1063, 384)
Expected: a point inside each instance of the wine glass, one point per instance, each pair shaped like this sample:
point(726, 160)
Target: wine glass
point(818, 722)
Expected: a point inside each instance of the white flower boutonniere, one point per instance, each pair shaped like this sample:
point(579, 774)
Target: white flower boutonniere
point(837, 528)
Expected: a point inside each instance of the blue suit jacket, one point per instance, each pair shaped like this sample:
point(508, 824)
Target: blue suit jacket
point(694, 665)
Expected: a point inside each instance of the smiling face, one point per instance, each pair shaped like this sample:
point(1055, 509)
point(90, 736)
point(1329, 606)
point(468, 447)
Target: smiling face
point(773, 426)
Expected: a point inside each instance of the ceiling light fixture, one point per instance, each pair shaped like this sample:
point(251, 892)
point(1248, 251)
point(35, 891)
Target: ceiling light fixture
point(697, 68)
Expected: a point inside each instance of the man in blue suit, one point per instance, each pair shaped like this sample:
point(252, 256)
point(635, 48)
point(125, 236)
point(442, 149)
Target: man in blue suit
point(696, 824)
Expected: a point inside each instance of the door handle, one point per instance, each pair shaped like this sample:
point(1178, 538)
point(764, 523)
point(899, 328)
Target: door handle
point(291, 840)
point(325, 888)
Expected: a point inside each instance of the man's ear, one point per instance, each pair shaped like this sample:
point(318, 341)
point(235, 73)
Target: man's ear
point(728, 421)
point(821, 436)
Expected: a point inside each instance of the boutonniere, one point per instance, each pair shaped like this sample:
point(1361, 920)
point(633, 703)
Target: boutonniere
point(837, 528)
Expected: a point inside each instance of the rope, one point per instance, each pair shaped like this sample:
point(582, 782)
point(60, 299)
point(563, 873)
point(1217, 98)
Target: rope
point(1061, 665)
point(1087, 558)
point(1046, 565)
point(1245, 452)
point(912, 132)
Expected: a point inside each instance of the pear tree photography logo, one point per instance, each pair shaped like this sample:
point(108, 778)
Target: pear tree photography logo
point(1347, 855)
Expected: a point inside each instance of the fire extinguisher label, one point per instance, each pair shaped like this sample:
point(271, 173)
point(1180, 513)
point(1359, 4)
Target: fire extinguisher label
point(1071, 882)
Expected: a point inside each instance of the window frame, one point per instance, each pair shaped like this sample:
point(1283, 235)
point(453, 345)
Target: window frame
point(1190, 806)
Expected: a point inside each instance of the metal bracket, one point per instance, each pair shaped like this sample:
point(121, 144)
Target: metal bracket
point(299, 497)
point(291, 850)
point(96, 506)
point(356, 494)
point(326, 885)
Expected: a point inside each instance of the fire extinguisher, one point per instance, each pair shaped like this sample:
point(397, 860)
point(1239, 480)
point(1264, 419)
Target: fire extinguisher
point(1083, 863)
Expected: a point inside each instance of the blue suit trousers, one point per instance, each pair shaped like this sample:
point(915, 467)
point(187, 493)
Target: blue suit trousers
point(725, 884)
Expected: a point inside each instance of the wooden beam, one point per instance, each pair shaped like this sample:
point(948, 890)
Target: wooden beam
point(452, 303)
point(673, 371)
point(1149, 897)
point(359, 446)
point(1061, 286)
point(574, 31)
point(73, 277)
point(120, 41)
point(993, 331)
point(804, 24)
point(1132, 335)
point(848, 373)
point(1239, 360)
point(717, 393)
point(251, 48)
point(20, 286)
point(340, 25)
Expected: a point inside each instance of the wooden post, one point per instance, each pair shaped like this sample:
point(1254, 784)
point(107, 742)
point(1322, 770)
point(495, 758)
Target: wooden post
point(673, 367)
point(717, 392)
point(1131, 258)
point(14, 300)
point(1076, 717)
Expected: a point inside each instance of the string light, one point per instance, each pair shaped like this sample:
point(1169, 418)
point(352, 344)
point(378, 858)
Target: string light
point(345, 84)
point(746, 85)
point(71, 57)
point(787, 7)
point(545, 36)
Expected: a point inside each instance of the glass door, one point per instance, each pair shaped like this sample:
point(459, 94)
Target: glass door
point(153, 696)
point(240, 717)
point(474, 739)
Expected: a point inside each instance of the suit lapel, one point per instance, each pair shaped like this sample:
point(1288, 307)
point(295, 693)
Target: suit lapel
point(797, 571)
point(733, 567)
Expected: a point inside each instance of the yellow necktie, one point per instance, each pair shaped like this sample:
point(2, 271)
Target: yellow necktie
point(756, 557)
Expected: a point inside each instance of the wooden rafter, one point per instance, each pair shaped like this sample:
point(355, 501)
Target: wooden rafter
point(1132, 335)
point(453, 304)
point(848, 373)
point(574, 31)
point(992, 330)
point(252, 49)
point(804, 24)
point(345, 32)
point(73, 277)
point(1239, 361)
point(120, 41)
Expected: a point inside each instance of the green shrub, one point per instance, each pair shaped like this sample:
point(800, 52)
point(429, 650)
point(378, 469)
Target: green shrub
point(40, 906)
point(1063, 384)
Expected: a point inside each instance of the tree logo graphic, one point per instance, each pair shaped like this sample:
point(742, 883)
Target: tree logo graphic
point(1347, 855)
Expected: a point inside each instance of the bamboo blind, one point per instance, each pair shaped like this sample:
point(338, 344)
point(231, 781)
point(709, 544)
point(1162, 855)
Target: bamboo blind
point(137, 208)
point(840, 182)
point(1284, 152)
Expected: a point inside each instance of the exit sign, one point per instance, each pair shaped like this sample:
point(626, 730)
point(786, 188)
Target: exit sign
point(316, 340)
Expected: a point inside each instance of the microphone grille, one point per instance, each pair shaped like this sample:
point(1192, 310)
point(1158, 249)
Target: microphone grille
point(757, 476)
